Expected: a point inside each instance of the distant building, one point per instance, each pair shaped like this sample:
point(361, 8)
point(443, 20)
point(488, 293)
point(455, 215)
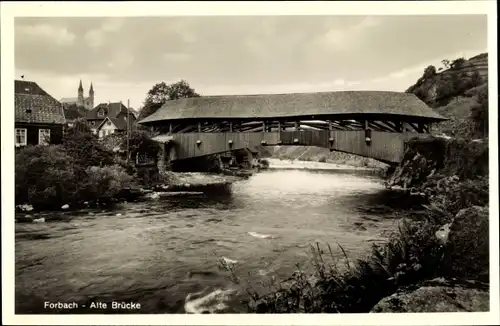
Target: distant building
point(115, 125)
point(118, 117)
point(86, 102)
point(39, 118)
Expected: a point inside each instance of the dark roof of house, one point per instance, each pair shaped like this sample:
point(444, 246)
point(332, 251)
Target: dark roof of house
point(111, 110)
point(34, 105)
point(28, 87)
point(120, 123)
point(295, 105)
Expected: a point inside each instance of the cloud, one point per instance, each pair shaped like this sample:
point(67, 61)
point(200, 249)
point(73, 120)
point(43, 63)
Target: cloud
point(113, 24)
point(122, 60)
point(176, 56)
point(96, 38)
point(58, 35)
point(245, 54)
point(342, 39)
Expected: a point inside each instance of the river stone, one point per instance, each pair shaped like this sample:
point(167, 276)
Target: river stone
point(466, 253)
point(435, 299)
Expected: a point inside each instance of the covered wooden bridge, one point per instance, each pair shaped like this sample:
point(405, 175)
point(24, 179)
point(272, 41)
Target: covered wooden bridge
point(371, 124)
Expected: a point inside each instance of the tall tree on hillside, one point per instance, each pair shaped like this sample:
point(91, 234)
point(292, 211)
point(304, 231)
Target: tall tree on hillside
point(430, 71)
point(479, 112)
point(476, 79)
point(457, 63)
point(161, 93)
point(446, 63)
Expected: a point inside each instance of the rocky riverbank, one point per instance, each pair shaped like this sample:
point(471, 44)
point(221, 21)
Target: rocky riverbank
point(171, 184)
point(439, 264)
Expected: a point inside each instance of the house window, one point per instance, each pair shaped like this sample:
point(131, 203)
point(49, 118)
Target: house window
point(92, 123)
point(108, 123)
point(20, 137)
point(43, 136)
point(100, 113)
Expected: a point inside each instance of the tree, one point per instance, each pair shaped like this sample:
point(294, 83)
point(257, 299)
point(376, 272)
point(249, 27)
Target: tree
point(73, 111)
point(479, 112)
point(430, 71)
point(81, 125)
point(457, 63)
point(85, 149)
point(476, 79)
point(141, 142)
point(446, 63)
point(161, 93)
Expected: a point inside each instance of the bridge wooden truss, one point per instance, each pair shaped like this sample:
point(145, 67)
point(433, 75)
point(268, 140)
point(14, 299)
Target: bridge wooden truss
point(369, 127)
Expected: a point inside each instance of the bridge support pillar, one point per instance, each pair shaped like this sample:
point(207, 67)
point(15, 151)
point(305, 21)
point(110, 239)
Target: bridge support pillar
point(161, 164)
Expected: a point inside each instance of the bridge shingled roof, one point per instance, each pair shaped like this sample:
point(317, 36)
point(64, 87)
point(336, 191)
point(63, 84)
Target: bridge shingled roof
point(296, 105)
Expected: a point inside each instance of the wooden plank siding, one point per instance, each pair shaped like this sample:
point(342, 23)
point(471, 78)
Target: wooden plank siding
point(387, 147)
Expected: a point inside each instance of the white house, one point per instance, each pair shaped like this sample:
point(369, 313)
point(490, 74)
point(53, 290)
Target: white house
point(111, 125)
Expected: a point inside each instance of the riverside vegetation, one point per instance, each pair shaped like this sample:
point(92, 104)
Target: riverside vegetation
point(81, 169)
point(84, 171)
point(436, 262)
point(446, 251)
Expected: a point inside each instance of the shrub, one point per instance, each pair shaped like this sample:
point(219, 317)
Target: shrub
point(479, 112)
point(322, 159)
point(85, 149)
point(45, 176)
point(264, 163)
point(104, 183)
point(412, 254)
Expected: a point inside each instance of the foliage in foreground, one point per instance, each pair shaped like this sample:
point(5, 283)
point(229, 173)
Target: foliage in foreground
point(48, 177)
point(81, 169)
point(453, 174)
point(412, 255)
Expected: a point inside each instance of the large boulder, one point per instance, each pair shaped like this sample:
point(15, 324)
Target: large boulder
point(438, 298)
point(466, 253)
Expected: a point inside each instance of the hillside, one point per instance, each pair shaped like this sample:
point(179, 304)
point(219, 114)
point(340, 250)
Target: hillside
point(459, 92)
point(318, 154)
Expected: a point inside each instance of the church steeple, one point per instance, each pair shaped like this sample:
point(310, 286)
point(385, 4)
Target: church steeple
point(80, 94)
point(91, 96)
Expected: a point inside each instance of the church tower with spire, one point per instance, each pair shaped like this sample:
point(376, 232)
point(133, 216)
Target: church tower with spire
point(91, 96)
point(80, 94)
point(81, 100)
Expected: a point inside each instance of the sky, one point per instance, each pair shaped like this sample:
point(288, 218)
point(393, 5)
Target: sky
point(222, 55)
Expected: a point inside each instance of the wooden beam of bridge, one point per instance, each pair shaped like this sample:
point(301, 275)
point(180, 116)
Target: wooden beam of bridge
point(386, 147)
point(284, 125)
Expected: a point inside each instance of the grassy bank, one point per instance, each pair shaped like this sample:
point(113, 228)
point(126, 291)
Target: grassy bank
point(452, 176)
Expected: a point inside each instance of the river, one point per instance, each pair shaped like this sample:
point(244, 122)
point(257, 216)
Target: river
point(163, 253)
